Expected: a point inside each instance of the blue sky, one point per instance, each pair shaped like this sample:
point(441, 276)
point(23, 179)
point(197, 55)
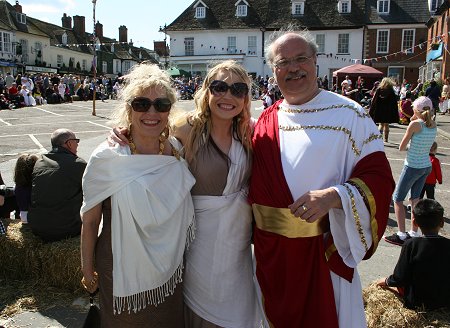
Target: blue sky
point(142, 18)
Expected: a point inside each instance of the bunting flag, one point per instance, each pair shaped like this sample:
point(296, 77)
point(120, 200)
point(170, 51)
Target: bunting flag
point(410, 51)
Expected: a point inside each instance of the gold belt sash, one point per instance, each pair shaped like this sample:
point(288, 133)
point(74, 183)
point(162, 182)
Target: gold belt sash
point(282, 222)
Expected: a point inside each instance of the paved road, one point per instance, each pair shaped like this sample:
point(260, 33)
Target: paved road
point(29, 129)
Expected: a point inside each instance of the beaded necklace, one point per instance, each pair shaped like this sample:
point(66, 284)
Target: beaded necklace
point(162, 138)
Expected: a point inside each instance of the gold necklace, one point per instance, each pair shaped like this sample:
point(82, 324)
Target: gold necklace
point(162, 138)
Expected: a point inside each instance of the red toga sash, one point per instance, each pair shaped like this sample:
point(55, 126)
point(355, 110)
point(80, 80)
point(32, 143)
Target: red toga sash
point(294, 273)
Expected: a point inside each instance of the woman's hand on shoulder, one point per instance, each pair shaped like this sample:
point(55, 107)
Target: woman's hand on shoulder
point(181, 128)
point(118, 135)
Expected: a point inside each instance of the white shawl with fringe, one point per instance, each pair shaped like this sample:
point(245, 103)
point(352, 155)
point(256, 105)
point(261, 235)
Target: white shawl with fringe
point(152, 220)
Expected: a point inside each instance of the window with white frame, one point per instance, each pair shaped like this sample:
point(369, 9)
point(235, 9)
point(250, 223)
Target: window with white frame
point(38, 52)
point(200, 12)
point(241, 10)
point(344, 6)
point(383, 6)
point(24, 46)
point(298, 8)
point(64, 39)
point(5, 42)
point(38, 48)
point(59, 60)
point(112, 47)
point(104, 66)
point(21, 18)
point(343, 43)
point(382, 41)
point(434, 5)
point(231, 44)
point(84, 65)
point(126, 66)
point(189, 46)
point(408, 40)
point(396, 72)
point(320, 41)
point(252, 44)
point(117, 66)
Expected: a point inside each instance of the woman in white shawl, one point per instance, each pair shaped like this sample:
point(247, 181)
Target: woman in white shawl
point(142, 190)
point(27, 97)
point(219, 290)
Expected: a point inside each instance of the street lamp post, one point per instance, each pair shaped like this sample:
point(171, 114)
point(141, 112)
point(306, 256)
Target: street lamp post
point(94, 63)
point(166, 53)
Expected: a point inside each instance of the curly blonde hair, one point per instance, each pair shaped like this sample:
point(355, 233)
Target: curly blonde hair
point(200, 118)
point(140, 78)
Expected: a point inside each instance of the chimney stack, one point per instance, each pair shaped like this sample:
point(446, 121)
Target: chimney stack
point(66, 21)
point(123, 34)
point(99, 30)
point(161, 48)
point(79, 26)
point(18, 7)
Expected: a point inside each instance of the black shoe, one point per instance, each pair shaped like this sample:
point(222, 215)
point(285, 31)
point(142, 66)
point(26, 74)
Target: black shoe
point(395, 239)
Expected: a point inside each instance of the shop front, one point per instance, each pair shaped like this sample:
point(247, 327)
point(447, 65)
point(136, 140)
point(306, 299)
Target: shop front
point(39, 69)
point(7, 66)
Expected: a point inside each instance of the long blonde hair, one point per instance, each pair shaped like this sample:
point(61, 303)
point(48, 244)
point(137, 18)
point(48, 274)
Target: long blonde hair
point(140, 78)
point(200, 118)
point(426, 110)
point(427, 117)
point(386, 83)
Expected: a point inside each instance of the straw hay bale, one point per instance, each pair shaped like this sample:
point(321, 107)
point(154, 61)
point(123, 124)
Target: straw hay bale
point(17, 296)
point(25, 256)
point(385, 309)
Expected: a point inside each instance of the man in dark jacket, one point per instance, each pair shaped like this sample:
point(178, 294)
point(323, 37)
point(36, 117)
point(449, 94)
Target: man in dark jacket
point(434, 93)
point(56, 193)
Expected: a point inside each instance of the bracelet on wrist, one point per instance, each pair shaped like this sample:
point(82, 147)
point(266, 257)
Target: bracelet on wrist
point(386, 282)
point(89, 285)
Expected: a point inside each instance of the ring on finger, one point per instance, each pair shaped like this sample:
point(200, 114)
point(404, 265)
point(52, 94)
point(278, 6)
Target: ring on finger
point(304, 208)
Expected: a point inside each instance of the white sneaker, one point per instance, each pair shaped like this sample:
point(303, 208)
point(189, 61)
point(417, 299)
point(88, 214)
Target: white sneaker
point(24, 217)
point(414, 234)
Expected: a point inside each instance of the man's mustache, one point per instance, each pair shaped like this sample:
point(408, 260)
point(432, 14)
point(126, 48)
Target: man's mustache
point(295, 75)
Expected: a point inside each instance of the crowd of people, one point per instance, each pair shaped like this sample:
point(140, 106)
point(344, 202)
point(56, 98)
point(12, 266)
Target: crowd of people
point(184, 195)
point(26, 90)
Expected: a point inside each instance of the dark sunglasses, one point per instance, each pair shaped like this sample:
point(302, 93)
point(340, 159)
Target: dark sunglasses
point(219, 88)
point(142, 104)
point(74, 139)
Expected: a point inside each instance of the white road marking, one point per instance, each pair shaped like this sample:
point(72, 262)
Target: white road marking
point(41, 109)
point(47, 133)
point(32, 137)
point(55, 122)
point(5, 122)
point(402, 159)
point(103, 126)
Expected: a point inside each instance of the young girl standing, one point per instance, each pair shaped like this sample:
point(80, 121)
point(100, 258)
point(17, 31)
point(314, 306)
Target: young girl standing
point(421, 132)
